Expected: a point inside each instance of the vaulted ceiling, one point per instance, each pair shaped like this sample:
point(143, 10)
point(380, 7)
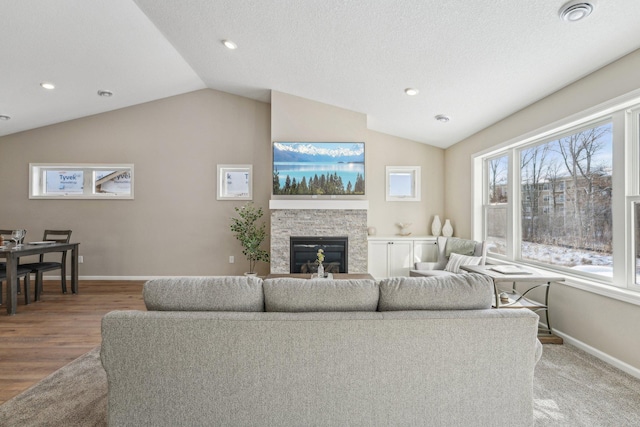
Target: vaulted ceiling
point(474, 61)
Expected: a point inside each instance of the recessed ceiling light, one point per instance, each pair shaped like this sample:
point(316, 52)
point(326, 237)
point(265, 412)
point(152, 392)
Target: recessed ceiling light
point(229, 44)
point(442, 118)
point(575, 11)
point(4, 117)
point(411, 91)
point(48, 85)
point(105, 93)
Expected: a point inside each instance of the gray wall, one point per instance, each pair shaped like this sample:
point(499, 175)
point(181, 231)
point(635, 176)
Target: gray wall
point(603, 323)
point(175, 225)
point(299, 119)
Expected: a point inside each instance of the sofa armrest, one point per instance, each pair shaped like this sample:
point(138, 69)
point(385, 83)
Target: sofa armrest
point(538, 350)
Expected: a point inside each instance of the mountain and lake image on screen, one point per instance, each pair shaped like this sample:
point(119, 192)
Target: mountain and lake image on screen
point(318, 168)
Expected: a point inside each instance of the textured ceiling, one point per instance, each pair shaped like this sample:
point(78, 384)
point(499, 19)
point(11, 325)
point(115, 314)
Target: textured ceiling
point(476, 61)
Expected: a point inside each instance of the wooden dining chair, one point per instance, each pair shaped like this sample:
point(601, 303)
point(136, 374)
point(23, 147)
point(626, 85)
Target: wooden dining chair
point(6, 234)
point(7, 238)
point(39, 268)
point(22, 272)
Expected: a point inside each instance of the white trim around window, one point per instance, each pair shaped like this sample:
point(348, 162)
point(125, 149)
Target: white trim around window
point(65, 181)
point(624, 114)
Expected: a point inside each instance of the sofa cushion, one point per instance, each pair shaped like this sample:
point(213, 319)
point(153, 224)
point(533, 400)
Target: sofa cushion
point(451, 292)
point(299, 295)
point(216, 293)
point(457, 260)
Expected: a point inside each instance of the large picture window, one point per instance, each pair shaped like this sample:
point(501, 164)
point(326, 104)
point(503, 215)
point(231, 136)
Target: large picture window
point(565, 198)
point(569, 225)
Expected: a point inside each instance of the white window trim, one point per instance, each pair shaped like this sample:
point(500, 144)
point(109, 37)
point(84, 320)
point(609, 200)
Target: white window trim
point(626, 159)
point(36, 183)
point(414, 172)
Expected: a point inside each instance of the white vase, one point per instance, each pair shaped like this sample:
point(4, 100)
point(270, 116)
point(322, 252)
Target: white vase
point(320, 271)
point(447, 230)
point(436, 225)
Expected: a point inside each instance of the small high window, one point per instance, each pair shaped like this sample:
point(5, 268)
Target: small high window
point(80, 181)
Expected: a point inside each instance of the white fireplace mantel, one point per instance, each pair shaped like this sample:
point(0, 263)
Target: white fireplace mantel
point(275, 204)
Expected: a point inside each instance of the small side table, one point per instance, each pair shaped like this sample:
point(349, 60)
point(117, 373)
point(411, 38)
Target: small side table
point(534, 278)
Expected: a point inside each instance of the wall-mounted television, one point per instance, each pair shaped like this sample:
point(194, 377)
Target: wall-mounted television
point(318, 168)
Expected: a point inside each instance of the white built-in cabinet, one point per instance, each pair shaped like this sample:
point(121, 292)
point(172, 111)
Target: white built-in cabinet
point(393, 256)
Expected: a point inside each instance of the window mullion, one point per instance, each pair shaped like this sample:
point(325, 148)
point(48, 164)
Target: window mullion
point(513, 210)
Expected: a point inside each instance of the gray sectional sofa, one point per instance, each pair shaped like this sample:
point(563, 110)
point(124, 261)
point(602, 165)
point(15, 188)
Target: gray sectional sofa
point(236, 351)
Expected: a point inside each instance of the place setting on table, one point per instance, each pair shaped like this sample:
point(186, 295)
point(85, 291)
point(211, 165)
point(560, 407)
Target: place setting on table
point(13, 247)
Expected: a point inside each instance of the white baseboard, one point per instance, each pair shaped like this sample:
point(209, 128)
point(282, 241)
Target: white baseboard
point(623, 366)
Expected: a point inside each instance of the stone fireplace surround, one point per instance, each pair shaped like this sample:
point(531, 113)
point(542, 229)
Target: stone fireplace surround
point(316, 220)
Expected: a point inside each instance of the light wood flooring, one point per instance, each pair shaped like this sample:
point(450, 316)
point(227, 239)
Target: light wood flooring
point(46, 335)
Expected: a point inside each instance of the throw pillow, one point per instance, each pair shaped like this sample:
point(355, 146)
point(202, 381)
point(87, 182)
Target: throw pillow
point(456, 260)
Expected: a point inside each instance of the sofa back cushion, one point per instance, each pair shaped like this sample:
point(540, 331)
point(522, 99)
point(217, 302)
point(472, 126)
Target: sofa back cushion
point(453, 292)
point(300, 295)
point(216, 293)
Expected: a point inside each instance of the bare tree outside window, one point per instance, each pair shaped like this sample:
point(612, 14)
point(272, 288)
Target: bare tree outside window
point(566, 201)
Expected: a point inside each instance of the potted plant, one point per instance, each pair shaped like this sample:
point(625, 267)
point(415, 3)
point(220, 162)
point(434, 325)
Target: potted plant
point(250, 234)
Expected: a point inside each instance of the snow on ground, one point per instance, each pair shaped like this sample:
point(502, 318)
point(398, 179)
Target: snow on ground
point(577, 259)
point(566, 257)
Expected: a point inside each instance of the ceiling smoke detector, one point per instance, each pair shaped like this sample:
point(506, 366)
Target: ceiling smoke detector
point(105, 93)
point(575, 11)
point(442, 118)
point(4, 117)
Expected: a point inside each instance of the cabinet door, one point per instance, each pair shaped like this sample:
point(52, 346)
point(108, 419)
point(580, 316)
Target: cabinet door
point(425, 250)
point(378, 259)
point(400, 257)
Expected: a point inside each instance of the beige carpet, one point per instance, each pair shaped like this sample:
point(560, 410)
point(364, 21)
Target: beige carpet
point(571, 388)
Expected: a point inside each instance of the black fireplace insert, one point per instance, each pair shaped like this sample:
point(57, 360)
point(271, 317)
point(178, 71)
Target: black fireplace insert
point(304, 250)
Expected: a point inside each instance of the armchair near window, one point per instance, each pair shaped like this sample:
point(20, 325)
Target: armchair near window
point(452, 253)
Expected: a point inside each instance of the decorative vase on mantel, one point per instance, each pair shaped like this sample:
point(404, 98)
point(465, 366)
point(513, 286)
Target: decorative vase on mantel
point(436, 226)
point(447, 230)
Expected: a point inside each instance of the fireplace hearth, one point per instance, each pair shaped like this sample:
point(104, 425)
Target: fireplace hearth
point(304, 250)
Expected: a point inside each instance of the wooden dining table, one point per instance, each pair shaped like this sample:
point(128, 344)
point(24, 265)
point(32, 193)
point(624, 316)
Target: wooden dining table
point(12, 255)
